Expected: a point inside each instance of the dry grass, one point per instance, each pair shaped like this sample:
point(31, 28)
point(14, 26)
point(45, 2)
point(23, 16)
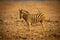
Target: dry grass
point(11, 28)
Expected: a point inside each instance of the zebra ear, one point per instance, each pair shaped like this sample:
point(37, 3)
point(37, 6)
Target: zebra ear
point(20, 10)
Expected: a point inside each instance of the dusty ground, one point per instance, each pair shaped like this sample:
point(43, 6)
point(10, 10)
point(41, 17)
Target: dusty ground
point(11, 28)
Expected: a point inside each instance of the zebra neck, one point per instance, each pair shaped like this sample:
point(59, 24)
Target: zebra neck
point(25, 17)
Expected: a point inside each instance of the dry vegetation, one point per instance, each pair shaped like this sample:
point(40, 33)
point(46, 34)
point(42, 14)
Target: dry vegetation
point(12, 28)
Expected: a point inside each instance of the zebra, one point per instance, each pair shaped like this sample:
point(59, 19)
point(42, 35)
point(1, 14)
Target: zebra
point(32, 18)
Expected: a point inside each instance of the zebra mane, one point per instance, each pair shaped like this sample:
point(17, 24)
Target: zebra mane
point(23, 11)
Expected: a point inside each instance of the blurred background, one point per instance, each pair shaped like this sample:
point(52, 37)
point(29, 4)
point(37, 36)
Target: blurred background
point(12, 29)
point(29, 0)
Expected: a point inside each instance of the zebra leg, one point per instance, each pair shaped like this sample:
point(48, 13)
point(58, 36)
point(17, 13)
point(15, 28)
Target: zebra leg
point(29, 28)
point(27, 23)
point(43, 26)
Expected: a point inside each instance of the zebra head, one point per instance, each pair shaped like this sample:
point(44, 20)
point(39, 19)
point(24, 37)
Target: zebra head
point(23, 13)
